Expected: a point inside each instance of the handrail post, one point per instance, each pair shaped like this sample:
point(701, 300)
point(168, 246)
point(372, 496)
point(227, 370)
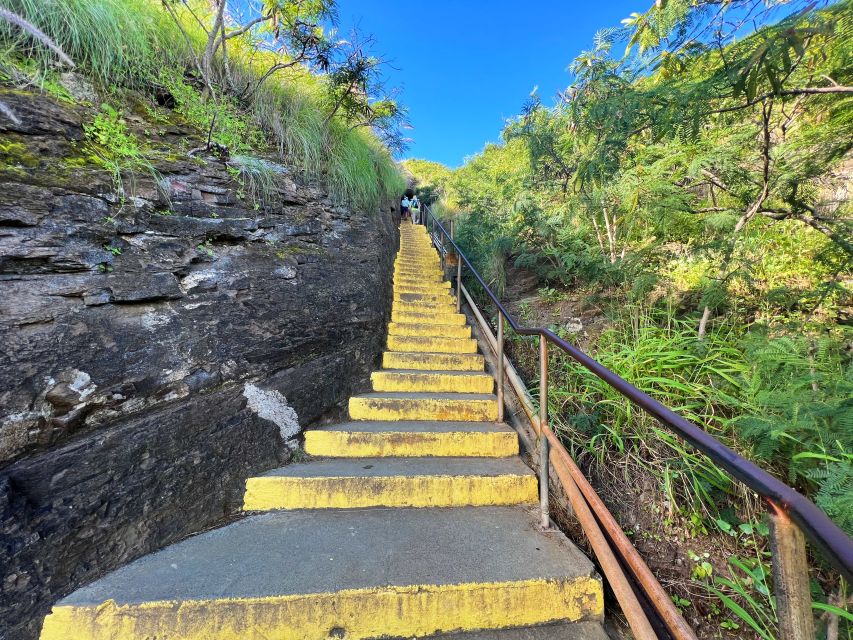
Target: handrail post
point(500, 366)
point(543, 425)
point(458, 284)
point(790, 577)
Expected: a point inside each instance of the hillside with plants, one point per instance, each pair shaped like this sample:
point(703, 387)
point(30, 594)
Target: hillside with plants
point(683, 212)
point(257, 79)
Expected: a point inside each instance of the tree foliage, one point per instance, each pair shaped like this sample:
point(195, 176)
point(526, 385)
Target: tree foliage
point(698, 168)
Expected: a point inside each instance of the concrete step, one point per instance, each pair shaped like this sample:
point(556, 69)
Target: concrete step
point(419, 273)
point(428, 329)
point(432, 264)
point(424, 406)
point(424, 297)
point(434, 309)
point(433, 361)
point(428, 317)
point(356, 574)
point(431, 344)
point(407, 438)
point(586, 630)
point(417, 284)
point(402, 290)
point(423, 289)
point(434, 279)
point(393, 482)
point(410, 380)
point(418, 307)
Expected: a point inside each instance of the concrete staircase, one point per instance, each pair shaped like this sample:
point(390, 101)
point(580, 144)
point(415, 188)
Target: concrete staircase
point(416, 519)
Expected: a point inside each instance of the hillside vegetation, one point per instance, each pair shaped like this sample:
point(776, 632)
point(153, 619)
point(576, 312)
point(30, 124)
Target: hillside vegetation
point(257, 80)
point(697, 189)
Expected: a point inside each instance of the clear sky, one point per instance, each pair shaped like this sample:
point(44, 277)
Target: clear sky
point(464, 66)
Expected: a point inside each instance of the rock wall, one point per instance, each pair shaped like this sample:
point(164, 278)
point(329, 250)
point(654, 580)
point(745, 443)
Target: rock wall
point(159, 348)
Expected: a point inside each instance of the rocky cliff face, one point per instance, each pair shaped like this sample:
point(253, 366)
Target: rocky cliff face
point(158, 349)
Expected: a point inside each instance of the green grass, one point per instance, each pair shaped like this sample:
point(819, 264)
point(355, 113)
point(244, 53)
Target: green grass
point(117, 42)
point(123, 44)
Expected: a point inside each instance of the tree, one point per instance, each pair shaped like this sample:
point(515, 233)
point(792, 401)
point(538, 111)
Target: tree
point(291, 29)
point(430, 178)
point(358, 93)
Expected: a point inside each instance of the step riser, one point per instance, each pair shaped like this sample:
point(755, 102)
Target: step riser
point(428, 318)
point(431, 283)
point(412, 307)
point(430, 280)
point(442, 285)
point(416, 344)
point(404, 444)
point(431, 383)
point(439, 286)
point(268, 493)
point(413, 297)
point(419, 274)
point(422, 281)
point(440, 409)
point(433, 362)
point(404, 611)
point(403, 291)
point(427, 330)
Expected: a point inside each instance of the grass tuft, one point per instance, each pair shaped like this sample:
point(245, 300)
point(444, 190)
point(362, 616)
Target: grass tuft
point(135, 44)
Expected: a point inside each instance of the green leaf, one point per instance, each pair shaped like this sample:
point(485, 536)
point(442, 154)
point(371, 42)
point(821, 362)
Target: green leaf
point(841, 613)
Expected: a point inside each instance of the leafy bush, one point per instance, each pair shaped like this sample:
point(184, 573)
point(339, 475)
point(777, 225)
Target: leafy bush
point(116, 148)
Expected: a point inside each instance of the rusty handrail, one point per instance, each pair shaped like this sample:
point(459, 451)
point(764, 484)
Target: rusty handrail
point(584, 502)
point(791, 513)
point(817, 526)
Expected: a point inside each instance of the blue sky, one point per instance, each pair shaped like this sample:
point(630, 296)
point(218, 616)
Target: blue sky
point(464, 67)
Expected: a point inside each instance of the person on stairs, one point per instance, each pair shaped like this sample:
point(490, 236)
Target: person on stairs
point(416, 210)
point(404, 207)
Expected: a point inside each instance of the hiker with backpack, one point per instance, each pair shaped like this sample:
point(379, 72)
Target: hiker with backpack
point(416, 210)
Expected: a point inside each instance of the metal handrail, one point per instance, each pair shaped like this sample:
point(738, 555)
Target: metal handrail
point(784, 501)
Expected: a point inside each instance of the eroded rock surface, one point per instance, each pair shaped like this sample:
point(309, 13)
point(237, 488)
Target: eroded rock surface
point(158, 349)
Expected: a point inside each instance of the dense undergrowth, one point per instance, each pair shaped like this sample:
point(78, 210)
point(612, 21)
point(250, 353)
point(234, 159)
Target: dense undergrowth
point(699, 192)
point(125, 46)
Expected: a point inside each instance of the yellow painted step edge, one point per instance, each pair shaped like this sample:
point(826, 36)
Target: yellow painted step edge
point(431, 382)
point(270, 492)
point(433, 361)
point(438, 319)
point(429, 329)
point(431, 344)
point(362, 613)
point(426, 408)
point(407, 444)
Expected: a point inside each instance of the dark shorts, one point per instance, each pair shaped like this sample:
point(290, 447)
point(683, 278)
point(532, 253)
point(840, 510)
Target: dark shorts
point(404, 211)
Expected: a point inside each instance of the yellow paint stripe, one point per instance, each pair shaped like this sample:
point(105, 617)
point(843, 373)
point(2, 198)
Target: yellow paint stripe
point(431, 382)
point(442, 285)
point(406, 444)
point(406, 611)
point(422, 296)
point(433, 361)
point(385, 409)
point(434, 308)
point(270, 492)
point(428, 329)
point(431, 344)
point(426, 317)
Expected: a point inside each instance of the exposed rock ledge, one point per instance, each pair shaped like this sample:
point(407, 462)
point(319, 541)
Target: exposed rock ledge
point(156, 352)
